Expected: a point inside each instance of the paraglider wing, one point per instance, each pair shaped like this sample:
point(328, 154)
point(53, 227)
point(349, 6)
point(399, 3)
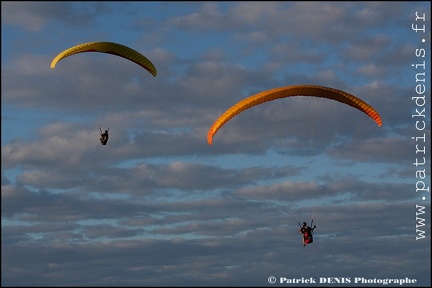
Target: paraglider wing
point(288, 91)
point(110, 48)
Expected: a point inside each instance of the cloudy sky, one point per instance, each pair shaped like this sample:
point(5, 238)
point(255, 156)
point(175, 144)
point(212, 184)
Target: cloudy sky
point(158, 205)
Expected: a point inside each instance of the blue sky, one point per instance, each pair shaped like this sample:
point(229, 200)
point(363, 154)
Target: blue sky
point(158, 206)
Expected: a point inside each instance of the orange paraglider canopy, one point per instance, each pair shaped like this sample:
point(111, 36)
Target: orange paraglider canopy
point(289, 91)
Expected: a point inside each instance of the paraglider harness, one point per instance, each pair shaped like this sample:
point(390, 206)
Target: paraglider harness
point(307, 233)
point(103, 136)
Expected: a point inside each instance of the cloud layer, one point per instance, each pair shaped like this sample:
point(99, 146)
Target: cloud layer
point(158, 206)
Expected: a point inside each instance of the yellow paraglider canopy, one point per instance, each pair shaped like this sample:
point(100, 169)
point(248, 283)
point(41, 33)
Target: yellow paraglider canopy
point(110, 48)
